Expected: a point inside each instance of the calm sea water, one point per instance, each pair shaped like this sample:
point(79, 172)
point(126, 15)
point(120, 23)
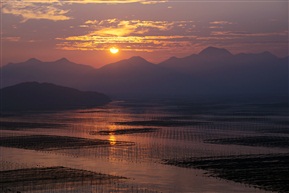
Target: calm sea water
point(181, 132)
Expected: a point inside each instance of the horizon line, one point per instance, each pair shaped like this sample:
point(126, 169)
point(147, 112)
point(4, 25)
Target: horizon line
point(209, 47)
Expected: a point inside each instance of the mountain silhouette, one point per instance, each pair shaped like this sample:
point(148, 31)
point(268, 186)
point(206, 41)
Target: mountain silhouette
point(214, 72)
point(215, 52)
point(136, 77)
point(241, 74)
point(47, 96)
point(62, 72)
point(207, 60)
point(213, 59)
point(134, 64)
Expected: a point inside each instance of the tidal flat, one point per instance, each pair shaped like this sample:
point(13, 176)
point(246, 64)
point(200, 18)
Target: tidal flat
point(124, 131)
point(268, 172)
point(261, 141)
point(168, 147)
point(166, 123)
point(15, 125)
point(45, 142)
point(48, 177)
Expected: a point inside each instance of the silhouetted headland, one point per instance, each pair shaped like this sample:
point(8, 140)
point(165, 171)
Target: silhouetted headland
point(46, 96)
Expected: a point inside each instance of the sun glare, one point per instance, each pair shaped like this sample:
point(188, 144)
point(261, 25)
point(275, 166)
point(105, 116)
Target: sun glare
point(114, 50)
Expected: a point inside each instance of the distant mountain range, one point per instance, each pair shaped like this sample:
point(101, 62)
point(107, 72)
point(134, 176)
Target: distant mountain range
point(47, 96)
point(214, 72)
point(62, 72)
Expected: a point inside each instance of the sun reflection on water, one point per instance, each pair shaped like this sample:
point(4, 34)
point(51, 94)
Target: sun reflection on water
point(112, 139)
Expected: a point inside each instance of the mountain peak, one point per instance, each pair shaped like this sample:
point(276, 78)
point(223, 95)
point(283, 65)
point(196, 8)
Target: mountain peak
point(33, 60)
point(134, 63)
point(213, 51)
point(137, 59)
point(269, 54)
point(173, 58)
point(62, 60)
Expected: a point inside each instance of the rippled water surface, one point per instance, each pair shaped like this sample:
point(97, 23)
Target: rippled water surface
point(137, 139)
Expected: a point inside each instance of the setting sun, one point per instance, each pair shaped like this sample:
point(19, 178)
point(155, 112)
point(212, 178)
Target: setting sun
point(114, 50)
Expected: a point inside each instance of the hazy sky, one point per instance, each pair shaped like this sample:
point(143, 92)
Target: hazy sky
point(84, 30)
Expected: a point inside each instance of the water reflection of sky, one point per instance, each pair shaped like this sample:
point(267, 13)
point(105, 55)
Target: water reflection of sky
point(140, 162)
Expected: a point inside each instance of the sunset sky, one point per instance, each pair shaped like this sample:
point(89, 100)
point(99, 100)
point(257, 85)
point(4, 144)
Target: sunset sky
point(84, 30)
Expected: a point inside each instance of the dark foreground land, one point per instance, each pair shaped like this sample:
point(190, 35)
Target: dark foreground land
point(268, 172)
point(123, 131)
point(164, 123)
point(12, 125)
point(259, 141)
point(264, 171)
point(22, 179)
point(49, 142)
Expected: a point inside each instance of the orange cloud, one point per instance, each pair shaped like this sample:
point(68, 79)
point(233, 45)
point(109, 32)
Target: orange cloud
point(247, 34)
point(136, 35)
point(94, 1)
point(221, 23)
point(30, 10)
point(115, 27)
point(53, 9)
point(10, 39)
point(113, 1)
point(133, 43)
